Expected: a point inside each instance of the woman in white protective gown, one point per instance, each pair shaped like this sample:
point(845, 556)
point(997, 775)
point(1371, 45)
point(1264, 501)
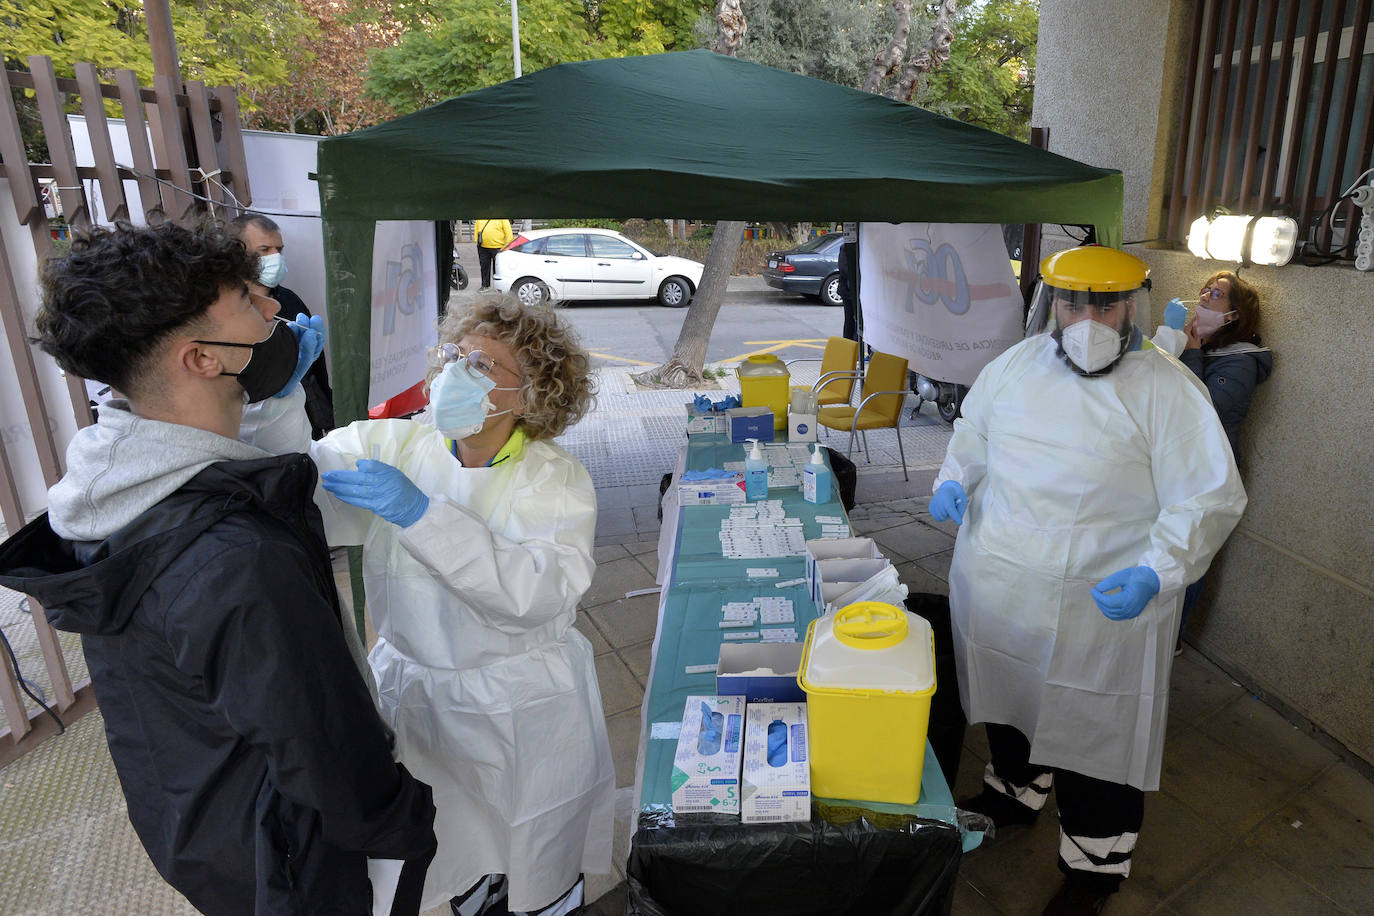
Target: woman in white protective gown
point(477, 535)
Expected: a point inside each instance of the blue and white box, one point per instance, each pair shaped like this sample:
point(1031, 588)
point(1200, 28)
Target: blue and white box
point(777, 764)
point(761, 672)
point(709, 748)
point(750, 423)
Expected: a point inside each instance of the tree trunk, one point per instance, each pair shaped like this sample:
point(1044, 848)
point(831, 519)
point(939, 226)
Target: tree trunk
point(730, 28)
point(683, 369)
point(888, 61)
point(932, 57)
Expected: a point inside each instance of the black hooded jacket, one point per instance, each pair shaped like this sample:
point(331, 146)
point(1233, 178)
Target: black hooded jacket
point(256, 770)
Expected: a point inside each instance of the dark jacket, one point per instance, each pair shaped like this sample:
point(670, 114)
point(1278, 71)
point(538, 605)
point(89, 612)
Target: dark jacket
point(1231, 374)
point(319, 396)
point(255, 767)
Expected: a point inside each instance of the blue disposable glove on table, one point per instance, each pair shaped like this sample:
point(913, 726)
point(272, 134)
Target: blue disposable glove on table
point(1175, 314)
point(1131, 589)
point(949, 502)
point(310, 340)
point(381, 488)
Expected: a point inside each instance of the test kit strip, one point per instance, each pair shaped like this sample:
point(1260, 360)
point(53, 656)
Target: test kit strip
point(743, 634)
point(700, 669)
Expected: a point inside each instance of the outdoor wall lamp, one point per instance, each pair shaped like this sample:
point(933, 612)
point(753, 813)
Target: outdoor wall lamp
point(1267, 240)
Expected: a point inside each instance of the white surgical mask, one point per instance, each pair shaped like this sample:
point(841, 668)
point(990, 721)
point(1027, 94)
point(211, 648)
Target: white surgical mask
point(1209, 322)
point(271, 269)
point(1091, 345)
point(458, 400)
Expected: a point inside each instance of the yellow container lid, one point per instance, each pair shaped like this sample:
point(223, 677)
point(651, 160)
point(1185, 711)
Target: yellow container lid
point(869, 648)
point(762, 364)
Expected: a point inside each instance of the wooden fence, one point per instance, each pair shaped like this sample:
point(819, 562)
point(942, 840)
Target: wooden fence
point(195, 159)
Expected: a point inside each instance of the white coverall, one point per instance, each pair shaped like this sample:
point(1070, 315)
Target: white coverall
point(1070, 479)
point(491, 691)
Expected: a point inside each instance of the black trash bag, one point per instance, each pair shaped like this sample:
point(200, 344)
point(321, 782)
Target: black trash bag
point(663, 486)
point(947, 722)
point(818, 869)
point(846, 478)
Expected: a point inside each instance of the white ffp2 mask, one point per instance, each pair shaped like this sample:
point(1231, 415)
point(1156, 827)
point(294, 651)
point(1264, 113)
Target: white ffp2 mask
point(1091, 345)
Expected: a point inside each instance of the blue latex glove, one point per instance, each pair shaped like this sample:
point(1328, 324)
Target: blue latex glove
point(378, 486)
point(703, 404)
point(708, 474)
point(949, 502)
point(1175, 314)
point(310, 339)
point(729, 402)
point(1131, 589)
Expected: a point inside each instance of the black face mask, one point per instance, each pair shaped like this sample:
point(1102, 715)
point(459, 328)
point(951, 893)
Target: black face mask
point(270, 367)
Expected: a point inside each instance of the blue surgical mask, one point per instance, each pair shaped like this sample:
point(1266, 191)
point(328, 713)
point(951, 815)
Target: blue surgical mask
point(458, 400)
point(271, 269)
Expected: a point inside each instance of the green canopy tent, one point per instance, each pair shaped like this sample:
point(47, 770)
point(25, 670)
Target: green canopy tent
point(686, 134)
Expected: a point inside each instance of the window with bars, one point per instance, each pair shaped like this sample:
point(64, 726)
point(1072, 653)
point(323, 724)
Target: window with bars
point(1276, 118)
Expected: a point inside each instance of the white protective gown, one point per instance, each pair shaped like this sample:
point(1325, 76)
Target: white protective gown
point(491, 691)
point(1070, 479)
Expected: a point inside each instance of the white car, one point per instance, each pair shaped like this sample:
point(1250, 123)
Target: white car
point(546, 265)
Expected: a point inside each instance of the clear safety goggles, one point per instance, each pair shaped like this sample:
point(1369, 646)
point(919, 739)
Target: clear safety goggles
point(477, 363)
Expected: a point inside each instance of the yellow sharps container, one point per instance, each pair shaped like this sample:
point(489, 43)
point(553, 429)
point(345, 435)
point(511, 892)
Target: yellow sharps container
point(764, 382)
point(869, 673)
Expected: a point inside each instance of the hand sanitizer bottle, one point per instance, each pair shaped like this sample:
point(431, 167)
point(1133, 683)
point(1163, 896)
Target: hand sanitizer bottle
point(755, 473)
point(815, 478)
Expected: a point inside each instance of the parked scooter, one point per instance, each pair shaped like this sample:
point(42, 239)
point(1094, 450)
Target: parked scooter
point(458, 279)
point(947, 397)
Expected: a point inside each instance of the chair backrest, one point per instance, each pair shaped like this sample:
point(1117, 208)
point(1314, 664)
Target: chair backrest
point(841, 355)
point(885, 373)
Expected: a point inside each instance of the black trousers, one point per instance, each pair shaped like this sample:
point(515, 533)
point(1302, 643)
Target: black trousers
point(486, 257)
point(1098, 820)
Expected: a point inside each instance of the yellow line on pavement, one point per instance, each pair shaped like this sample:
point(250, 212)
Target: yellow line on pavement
point(621, 359)
point(773, 347)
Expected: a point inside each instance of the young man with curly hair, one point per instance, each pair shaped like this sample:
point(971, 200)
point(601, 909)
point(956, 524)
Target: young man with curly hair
point(255, 768)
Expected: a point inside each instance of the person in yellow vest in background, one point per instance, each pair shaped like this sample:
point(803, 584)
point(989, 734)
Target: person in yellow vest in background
point(491, 235)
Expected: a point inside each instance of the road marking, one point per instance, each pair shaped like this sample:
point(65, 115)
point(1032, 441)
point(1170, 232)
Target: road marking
point(620, 359)
point(772, 346)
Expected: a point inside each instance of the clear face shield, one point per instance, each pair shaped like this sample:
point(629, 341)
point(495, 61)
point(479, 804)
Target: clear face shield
point(1089, 349)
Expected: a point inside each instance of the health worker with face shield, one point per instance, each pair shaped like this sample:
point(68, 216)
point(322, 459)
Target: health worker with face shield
point(1084, 477)
point(477, 534)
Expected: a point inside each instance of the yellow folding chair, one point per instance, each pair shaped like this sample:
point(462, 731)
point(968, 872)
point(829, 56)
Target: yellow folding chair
point(838, 363)
point(880, 404)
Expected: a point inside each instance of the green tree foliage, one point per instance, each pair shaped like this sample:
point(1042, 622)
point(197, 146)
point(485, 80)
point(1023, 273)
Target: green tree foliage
point(818, 38)
point(989, 79)
point(455, 46)
point(221, 42)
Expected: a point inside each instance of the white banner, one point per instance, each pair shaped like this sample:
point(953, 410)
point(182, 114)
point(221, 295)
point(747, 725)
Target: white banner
point(405, 306)
point(943, 295)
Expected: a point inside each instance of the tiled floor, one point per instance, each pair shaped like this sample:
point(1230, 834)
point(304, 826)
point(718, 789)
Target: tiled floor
point(1254, 817)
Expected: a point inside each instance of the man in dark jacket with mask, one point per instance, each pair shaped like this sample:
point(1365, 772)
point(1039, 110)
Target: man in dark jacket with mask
point(255, 768)
point(262, 237)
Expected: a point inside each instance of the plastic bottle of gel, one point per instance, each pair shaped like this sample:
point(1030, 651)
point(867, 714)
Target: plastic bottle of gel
point(755, 473)
point(816, 478)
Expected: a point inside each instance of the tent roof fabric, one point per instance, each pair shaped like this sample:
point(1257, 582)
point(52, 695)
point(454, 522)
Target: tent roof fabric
point(697, 134)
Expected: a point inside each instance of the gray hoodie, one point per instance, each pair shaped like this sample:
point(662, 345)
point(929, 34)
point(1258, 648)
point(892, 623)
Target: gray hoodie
point(124, 465)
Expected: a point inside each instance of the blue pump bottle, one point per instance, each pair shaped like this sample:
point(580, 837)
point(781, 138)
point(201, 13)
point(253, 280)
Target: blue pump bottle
point(755, 473)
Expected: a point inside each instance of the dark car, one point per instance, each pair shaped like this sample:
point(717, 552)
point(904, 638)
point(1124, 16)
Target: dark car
point(812, 269)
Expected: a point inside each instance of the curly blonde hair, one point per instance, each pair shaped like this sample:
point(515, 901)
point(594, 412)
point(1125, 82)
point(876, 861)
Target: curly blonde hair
point(558, 389)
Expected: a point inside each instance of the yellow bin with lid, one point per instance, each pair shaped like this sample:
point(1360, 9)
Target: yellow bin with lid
point(765, 382)
point(869, 673)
